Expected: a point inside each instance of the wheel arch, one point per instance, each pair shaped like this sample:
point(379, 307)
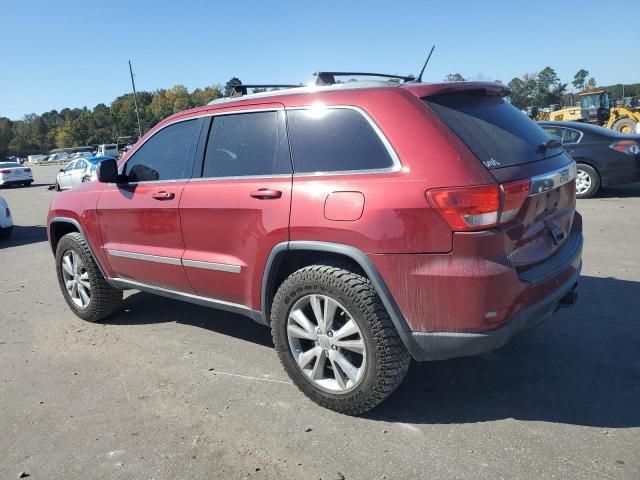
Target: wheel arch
point(312, 251)
point(60, 226)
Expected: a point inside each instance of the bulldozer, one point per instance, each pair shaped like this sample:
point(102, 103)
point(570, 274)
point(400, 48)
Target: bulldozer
point(595, 108)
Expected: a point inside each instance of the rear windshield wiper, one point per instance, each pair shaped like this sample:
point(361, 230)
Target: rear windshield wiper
point(549, 144)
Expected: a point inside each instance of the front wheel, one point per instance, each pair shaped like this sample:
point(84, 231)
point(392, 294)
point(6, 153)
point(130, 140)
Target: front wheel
point(587, 181)
point(84, 288)
point(336, 340)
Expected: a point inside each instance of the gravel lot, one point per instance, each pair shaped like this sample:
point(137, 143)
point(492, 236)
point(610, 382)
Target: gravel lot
point(168, 390)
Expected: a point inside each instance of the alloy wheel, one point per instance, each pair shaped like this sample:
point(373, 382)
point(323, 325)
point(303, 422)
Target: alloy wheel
point(583, 182)
point(326, 343)
point(76, 279)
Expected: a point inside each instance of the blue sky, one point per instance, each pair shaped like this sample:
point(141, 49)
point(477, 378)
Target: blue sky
point(74, 53)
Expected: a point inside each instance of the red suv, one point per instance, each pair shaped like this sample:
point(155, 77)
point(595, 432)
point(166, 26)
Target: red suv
point(366, 223)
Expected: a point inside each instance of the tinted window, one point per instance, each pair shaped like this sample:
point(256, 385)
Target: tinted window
point(333, 140)
point(9, 165)
point(69, 167)
point(563, 135)
point(495, 131)
point(247, 144)
point(168, 155)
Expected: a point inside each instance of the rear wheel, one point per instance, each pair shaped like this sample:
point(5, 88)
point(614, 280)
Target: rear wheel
point(336, 340)
point(587, 181)
point(624, 125)
point(84, 288)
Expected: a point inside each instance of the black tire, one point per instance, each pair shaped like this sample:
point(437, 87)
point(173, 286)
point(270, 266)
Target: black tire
point(5, 233)
point(105, 299)
point(594, 177)
point(386, 356)
point(624, 125)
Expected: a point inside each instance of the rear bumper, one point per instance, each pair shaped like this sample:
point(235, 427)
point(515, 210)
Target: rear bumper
point(22, 181)
point(456, 306)
point(443, 345)
point(620, 176)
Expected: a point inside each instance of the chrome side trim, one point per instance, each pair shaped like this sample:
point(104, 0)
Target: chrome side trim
point(124, 283)
point(221, 267)
point(554, 179)
point(145, 257)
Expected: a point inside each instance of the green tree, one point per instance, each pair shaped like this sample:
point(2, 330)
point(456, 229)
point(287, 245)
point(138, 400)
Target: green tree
point(579, 79)
point(454, 77)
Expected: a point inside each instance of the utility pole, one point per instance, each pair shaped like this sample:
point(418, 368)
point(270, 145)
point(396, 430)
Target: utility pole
point(135, 101)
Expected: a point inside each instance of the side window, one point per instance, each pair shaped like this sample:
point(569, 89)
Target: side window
point(570, 136)
point(69, 167)
point(554, 132)
point(333, 140)
point(247, 144)
point(168, 155)
point(80, 165)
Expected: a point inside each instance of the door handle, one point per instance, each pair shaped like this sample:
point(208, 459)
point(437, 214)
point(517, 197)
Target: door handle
point(266, 194)
point(163, 195)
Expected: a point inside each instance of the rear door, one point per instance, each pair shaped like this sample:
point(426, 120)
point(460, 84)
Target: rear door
point(64, 177)
point(239, 209)
point(139, 219)
point(514, 148)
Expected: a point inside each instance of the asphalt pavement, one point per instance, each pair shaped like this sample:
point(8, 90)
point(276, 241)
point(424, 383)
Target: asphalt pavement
point(169, 390)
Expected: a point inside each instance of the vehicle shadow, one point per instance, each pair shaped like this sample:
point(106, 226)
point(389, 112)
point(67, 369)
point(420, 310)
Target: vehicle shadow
point(581, 367)
point(142, 308)
point(22, 235)
point(621, 191)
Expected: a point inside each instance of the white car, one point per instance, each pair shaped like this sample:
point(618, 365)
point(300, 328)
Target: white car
point(107, 150)
point(6, 222)
point(78, 171)
point(12, 173)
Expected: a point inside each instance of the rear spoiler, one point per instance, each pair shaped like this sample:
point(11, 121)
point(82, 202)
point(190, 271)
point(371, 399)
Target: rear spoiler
point(483, 88)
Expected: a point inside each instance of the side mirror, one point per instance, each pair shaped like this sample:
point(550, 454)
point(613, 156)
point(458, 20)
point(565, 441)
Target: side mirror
point(107, 171)
point(61, 170)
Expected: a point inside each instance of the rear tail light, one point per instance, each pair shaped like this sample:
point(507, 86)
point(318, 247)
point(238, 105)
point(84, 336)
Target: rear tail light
point(513, 196)
point(629, 147)
point(479, 207)
point(5, 171)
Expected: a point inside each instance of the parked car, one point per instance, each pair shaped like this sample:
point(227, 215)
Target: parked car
point(13, 173)
point(78, 171)
point(604, 157)
point(6, 222)
point(107, 150)
point(365, 223)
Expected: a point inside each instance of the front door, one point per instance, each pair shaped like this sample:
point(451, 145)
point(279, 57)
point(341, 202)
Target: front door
point(239, 210)
point(139, 218)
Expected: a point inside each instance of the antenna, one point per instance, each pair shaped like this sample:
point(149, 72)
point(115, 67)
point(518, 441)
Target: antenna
point(135, 100)
point(419, 79)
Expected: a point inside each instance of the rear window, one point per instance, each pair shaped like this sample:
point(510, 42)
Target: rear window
point(495, 131)
point(9, 165)
point(335, 140)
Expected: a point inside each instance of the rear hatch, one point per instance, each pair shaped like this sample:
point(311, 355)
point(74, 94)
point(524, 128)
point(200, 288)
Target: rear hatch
point(515, 149)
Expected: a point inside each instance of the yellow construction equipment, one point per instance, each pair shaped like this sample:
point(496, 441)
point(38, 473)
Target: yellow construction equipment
point(595, 108)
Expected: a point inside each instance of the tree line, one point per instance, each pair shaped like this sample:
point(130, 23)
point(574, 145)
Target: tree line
point(545, 88)
point(70, 127)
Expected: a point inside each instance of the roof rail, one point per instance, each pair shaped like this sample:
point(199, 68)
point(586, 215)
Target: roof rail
point(240, 90)
point(329, 78)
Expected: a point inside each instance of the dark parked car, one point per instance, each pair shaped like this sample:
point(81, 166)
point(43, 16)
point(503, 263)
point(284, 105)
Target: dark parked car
point(365, 223)
point(604, 157)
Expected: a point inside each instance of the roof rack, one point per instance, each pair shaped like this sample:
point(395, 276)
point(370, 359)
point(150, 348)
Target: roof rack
point(240, 90)
point(329, 78)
